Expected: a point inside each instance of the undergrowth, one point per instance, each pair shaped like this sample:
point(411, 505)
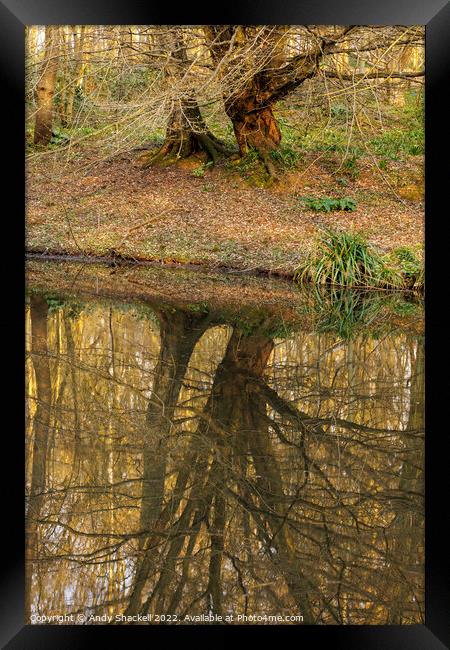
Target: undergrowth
point(329, 204)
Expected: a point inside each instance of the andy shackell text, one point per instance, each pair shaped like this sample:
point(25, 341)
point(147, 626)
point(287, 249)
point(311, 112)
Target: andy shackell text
point(167, 618)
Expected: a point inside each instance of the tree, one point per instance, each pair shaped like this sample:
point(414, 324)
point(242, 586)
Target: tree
point(257, 476)
point(45, 88)
point(186, 131)
point(264, 68)
point(74, 83)
point(140, 79)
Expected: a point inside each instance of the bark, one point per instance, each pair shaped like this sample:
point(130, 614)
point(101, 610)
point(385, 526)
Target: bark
point(45, 89)
point(254, 125)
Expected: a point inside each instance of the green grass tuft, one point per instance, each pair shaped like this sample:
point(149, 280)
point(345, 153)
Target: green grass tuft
point(410, 265)
point(347, 259)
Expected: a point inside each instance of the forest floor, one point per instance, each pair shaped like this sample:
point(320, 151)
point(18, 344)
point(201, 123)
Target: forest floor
point(216, 218)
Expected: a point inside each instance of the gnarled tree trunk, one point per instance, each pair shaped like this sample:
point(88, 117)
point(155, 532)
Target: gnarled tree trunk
point(250, 109)
point(255, 126)
point(186, 134)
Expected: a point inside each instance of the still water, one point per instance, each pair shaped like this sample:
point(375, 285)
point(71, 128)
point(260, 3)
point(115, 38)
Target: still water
point(186, 462)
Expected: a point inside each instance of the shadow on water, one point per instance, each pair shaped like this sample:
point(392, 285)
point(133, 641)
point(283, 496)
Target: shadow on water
point(184, 460)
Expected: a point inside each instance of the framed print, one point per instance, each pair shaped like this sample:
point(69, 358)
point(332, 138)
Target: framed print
point(230, 358)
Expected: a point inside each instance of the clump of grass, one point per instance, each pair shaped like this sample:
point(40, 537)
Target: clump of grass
point(410, 265)
point(346, 312)
point(347, 259)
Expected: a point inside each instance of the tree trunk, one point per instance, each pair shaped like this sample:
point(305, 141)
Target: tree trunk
point(45, 88)
point(255, 126)
point(75, 82)
point(186, 134)
point(251, 109)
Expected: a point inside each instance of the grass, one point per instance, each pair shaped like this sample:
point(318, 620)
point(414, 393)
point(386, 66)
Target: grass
point(394, 142)
point(396, 136)
point(287, 157)
point(231, 215)
point(347, 259)
point(410, 266)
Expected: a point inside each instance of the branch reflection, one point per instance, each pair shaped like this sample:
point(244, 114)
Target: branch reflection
point(184, 463)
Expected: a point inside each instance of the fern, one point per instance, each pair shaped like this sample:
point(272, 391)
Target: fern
point(327, 204)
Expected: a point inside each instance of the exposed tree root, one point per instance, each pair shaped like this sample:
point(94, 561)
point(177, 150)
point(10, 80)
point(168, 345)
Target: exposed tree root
point(268, 164)
point(186, 134)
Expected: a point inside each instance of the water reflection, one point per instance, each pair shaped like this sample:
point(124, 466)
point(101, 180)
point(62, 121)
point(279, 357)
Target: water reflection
point(180, 463)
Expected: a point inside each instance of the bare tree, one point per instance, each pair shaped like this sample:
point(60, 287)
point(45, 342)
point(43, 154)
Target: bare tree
point(45, 88)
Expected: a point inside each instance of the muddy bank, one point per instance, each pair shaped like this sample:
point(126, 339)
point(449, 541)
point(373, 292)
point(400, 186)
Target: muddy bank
point(115, 258)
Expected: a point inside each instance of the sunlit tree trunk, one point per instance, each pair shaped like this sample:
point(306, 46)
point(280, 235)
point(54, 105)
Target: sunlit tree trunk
point(74, 83)
point(45, 89)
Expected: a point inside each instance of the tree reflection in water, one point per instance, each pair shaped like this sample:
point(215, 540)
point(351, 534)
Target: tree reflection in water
point(183, 463)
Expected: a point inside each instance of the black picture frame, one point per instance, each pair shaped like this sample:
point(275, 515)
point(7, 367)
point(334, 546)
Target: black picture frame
point(435, 14)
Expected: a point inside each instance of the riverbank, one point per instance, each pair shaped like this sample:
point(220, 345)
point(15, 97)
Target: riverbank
point(212, 218)
point(237, 297)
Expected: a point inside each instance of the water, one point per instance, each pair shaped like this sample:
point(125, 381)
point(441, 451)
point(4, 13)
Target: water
point(255, 453)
